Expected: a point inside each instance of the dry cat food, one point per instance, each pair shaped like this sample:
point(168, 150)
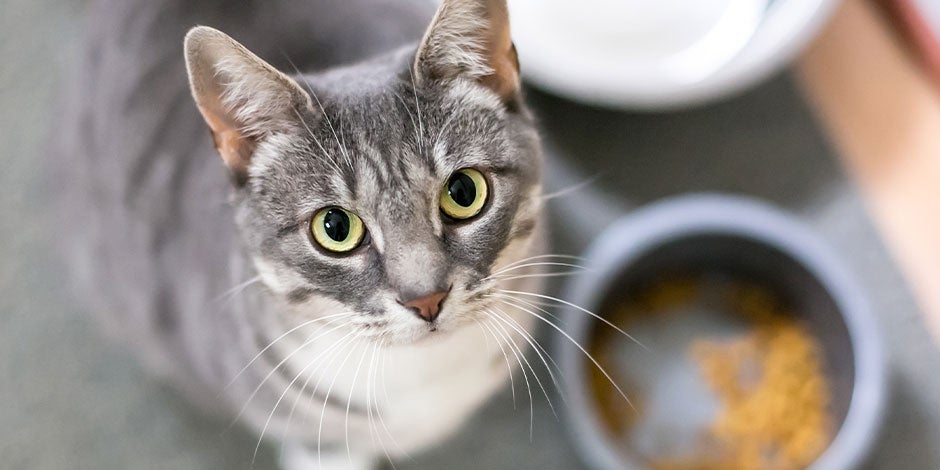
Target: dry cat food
point(767, 380)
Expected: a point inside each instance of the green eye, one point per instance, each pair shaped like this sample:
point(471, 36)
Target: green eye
point(464, 194)
point(337, 229)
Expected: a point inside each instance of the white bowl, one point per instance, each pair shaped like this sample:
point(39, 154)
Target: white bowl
point(657, 54)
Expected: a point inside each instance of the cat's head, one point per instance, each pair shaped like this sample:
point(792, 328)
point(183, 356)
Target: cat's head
point(388, 190)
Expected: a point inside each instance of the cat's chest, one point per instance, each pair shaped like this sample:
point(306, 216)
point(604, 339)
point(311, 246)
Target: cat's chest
point(420, 389)
point(427, 369)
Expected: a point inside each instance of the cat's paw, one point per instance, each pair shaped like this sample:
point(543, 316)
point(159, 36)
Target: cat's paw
point(298, 457)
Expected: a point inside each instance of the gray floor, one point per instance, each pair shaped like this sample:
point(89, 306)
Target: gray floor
point(70, 400)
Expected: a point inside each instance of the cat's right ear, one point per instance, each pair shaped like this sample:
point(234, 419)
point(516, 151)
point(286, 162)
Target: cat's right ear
point(241, 97)
point(470, 38)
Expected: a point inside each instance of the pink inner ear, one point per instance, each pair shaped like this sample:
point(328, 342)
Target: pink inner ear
point(234, 147)
point(505, 64)
point(501, 52)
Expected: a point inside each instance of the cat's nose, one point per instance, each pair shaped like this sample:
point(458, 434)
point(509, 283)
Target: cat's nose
point(427, 306)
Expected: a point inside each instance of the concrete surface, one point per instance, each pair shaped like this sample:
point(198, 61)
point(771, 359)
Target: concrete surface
point(70, 400)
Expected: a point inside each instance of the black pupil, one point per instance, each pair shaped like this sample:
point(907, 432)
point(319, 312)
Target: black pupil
point(462, 189)
point(336, 224)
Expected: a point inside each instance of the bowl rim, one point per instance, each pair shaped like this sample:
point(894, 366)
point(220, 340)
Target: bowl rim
point(630, 237)
point(787, 27)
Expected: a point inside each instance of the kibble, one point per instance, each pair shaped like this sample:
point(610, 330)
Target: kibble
point(774, 396)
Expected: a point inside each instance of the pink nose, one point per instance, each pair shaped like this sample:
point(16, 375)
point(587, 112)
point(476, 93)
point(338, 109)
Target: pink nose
point(427, 306)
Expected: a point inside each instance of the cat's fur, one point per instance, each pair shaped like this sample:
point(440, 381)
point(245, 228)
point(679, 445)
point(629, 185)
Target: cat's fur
point(160, 230)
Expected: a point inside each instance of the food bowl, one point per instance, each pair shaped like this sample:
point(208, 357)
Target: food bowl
point(723, 237)
point(642, 54)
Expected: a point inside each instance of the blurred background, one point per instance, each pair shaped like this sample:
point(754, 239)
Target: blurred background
point(830, 110)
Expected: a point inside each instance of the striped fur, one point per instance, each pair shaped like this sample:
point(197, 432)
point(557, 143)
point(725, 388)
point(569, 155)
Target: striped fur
point(165, 235)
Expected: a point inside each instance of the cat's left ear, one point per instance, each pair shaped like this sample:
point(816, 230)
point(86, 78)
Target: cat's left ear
point(470, 38)
point(241, 97)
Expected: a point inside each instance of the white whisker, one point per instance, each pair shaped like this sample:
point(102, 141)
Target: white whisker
point(234, 291)
point(370, 391)
point(486, 338)
point(543, 256)
point(352, 388)
point(326, 401)
point(414, 89)
point(445, 127)
point(283, 335)
point(571, 189)
point(334, 354)
point(281, 398)
point(535, 374)
point(579, 308)
point(324, 359)
point(513, 270)
point(534, 264)
point(579, 346)
point(414, 124)
point(512, 385)
point(302, 121)
point(513, 349)
point(276, 367)
point(378, 411)
point(540, 351)
point(504, 277)
point(326, 155)
point(329, 122)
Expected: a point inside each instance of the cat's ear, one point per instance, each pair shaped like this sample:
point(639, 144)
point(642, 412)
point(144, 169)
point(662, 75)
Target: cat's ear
point(241, 97)
point(470, 38)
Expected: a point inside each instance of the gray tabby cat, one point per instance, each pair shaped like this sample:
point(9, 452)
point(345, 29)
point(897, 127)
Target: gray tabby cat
point(376, 211)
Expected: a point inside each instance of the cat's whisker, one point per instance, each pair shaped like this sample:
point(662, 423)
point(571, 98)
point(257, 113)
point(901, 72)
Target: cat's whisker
point(486, 338)
point(534, 264)
point(531, 276)
point(234, 291)
point(352, 389)
point(509, 270)
point(279, 338)
point(342, 135)
point(542, 256)
point(512, 384)
point(281, 398)
point(329, 122)
point(576, 344)
point(304, 122)
point(445, 127)
point(414, 89)
point(317, 141)
point(514, 294)
point(370, 390)
point(326, 154)
point(535, 374)
point(324, 359)
point(326, 401)
point(540, 351)
point(411, 116)
point(513, 349)
point(373, 405)
point(570, 189)
point(306, 343)
point(378, 411)
point(334, 355)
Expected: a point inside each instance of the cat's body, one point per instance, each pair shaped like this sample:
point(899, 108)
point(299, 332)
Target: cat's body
point(163, 241)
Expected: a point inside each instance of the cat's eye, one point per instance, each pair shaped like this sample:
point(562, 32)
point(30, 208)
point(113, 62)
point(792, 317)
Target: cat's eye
point(337, 230)
point(464, 194)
